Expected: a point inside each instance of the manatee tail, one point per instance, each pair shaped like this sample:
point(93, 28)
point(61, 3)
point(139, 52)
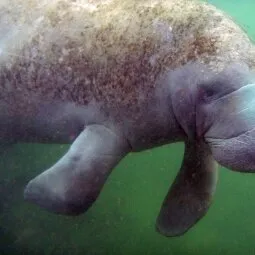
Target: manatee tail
point(75, 181)
point(191, 193)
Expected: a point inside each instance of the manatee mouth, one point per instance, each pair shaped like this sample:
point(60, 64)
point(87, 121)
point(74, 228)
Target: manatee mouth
point(231, 134)
point(236, 153)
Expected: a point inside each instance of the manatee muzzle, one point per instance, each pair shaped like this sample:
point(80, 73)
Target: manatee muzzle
point(231, 129)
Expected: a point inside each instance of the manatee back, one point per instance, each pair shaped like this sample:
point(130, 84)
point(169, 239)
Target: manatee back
point(110, 51)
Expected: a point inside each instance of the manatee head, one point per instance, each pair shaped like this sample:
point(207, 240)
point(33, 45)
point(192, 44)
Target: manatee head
point(220, 109)
point(226, 117)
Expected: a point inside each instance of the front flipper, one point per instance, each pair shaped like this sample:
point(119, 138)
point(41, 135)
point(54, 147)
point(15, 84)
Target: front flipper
point(75, 181)
point(191, 193)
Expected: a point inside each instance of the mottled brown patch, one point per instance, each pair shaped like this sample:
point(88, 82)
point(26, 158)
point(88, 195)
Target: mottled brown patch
point(114, 54)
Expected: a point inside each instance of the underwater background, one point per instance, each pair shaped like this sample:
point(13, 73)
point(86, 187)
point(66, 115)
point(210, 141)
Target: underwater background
point(122, 220)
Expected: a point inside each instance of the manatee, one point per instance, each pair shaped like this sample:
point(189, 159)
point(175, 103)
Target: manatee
point(117, 76)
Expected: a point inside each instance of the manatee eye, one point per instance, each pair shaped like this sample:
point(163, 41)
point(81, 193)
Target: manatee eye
point(227, 81)
point(207, 92)
point(214, 90)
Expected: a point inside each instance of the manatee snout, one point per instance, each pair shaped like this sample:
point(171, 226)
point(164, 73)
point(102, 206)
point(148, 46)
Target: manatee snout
point(218, 108)
point(226, 117)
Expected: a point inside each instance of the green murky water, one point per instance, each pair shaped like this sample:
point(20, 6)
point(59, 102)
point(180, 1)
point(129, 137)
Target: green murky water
point(122, 221)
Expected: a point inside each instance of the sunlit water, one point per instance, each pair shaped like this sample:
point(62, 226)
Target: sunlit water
point(122, 221)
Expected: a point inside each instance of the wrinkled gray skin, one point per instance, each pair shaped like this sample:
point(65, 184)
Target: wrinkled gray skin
point(213, 113)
